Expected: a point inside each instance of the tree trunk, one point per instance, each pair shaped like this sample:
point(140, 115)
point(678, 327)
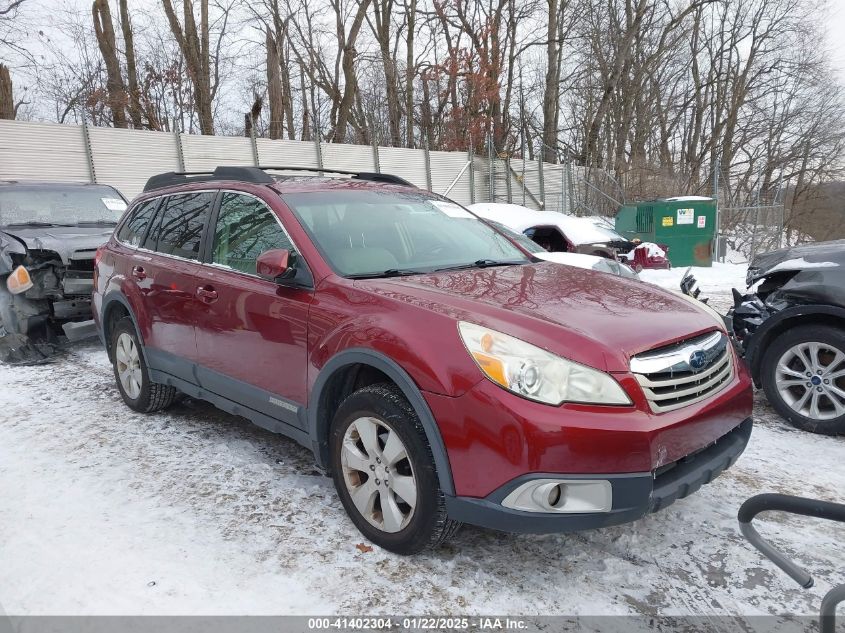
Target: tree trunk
point(274, 87)
point(104, 30)
point(7, 103)
point(306, 121)
point(194, 44)
point(633, 19)
point(135, 110)
point(551, 93)
point(409, 74)
point(350, 87)
point(287, 89)
point(382, 11)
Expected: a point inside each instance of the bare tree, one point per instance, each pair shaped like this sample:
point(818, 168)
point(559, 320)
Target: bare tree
point(194, 43)
point(135, 109)
point(275, 93)
point(383, 30)
point(7, 101)
point(10, 31)
point(104, 30)
point(347, 44)
point(411, 22)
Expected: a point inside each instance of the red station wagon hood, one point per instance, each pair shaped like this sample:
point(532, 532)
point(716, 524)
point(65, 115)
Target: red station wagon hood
point(593, 318)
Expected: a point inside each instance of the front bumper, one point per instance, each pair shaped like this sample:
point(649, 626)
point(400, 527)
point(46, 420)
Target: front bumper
point(493, 436)
point(634, 494)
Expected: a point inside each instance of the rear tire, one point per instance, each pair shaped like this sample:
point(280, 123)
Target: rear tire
point(131, 374)
point(384, 472)
point(814, 402)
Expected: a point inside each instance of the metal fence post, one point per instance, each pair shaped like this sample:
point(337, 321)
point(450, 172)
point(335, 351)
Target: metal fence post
point(180, 154)
point(563, 188)
point(508, 179)
point(471, 159)
point(427, 158)
point(317, 148)
point(542, 184)
point(254, 144)
point(89, 154)
point(491, 169)
point(718, 214)
point(376, 161)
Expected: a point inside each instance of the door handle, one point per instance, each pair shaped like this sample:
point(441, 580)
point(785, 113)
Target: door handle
point(207, 294)
point(138, 273)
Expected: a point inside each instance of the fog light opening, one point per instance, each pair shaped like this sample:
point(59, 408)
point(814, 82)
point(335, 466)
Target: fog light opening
point(564, 496)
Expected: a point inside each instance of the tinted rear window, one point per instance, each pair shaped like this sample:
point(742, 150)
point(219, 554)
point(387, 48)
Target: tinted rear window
point(179, 225)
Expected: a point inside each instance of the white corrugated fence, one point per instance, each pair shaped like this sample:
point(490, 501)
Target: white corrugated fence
point(125, 159)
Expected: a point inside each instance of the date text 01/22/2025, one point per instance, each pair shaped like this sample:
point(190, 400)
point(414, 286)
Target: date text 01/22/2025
point(417, 623)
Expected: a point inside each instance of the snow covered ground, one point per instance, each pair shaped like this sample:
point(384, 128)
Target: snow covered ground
point(193, 511)
point(715, 282)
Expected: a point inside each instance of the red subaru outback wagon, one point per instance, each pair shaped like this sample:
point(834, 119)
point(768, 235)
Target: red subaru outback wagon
point(439, 373)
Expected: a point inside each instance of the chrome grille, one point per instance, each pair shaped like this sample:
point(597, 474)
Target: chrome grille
point(669, 379)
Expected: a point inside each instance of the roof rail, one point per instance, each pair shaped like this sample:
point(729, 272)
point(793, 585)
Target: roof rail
point(172, 178)
point(357, 175)
point(257, 175)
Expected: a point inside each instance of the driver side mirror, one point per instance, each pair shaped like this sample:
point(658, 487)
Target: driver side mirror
point(274, 264)
point(285, 268)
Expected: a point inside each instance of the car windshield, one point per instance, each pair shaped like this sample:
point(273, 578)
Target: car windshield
point(523, 240)
point(50, 205)
point(387, 233)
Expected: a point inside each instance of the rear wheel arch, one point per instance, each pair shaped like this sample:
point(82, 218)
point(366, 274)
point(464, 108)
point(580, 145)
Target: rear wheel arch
point(356, 368)
point(116, 307)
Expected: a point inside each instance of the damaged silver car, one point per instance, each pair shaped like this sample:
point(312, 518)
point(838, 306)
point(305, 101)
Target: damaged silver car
point(790, 327)
point(49, 235)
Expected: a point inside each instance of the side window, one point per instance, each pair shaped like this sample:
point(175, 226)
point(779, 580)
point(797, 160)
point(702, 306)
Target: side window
point(245, 229)
point(179, 225)
point(133, 230)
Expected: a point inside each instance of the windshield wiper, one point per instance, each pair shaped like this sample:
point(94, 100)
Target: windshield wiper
point(40, 224)
point(390, 272)
point(480, 263)
point(95, 222)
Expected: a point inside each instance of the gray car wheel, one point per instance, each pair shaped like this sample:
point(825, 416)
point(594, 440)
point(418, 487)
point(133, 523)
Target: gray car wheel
point(803, 374)
point(384, 471)
point(378, 474)
point(130, 371)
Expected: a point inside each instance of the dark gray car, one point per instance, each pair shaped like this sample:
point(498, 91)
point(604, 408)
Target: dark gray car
point(49, 234)
point(791, 331)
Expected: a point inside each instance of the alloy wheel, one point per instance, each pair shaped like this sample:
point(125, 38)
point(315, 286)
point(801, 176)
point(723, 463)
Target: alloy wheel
point(378, 474)
point(128, 362)
point(810, 378)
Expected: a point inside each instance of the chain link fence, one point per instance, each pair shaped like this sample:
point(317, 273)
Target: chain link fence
point(752, 218)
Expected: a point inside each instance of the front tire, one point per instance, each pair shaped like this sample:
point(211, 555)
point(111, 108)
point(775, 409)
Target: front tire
point(130, 372)
point(803, 375)
point(384, 472)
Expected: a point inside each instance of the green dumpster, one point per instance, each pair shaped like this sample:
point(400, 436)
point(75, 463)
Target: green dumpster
point(687, 225)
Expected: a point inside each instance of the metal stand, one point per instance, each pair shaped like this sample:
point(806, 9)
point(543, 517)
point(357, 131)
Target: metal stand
point(794, 505)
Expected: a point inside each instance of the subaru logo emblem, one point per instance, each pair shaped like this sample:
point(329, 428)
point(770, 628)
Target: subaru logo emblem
point(697, 360)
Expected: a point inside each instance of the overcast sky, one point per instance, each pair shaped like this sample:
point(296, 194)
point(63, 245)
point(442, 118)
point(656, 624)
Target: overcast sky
point(836, 34)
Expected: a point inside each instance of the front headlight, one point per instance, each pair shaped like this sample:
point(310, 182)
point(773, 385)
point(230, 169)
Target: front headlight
point(19, 281)
point(534, 373)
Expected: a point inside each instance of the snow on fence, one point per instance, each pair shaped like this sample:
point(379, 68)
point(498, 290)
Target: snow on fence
point(126, 158)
